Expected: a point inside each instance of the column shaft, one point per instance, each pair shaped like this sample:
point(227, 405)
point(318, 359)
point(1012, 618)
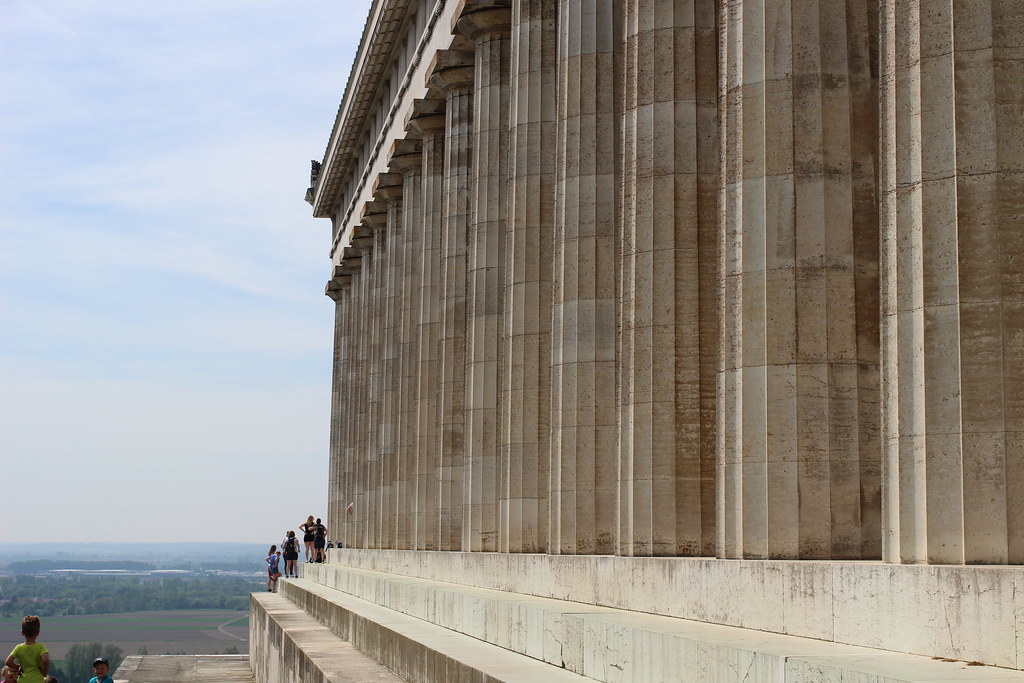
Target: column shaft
point(339, 409)
point(485, 272)
point(584, 477)
point(428, 382)
point(951, 126)
point(669, 209)
point(363, 510)
point(526, 387)
point(457, 207)
point(405, 481)
point(389, 489)
point(352, 397)
point(375, 396)
point(799, 461)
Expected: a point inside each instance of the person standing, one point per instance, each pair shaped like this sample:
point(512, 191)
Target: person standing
point(30, 660)
point(273, 569)
point(291, 555)
point(319, 541)
point(308, 536)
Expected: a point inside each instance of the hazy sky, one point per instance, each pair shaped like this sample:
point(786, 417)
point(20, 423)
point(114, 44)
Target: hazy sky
point(164, 338)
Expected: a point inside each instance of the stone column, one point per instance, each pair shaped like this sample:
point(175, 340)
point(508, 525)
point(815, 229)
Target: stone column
point(526, 355)
point(488, 27)
point(407, 160)
point(388, 187)
point(584, 476)
point(375, 377)
point(352, 261)
point(451, 73)
point(798, 455)
point(952, 137)
point(373, 216)
point(338, 289)
point(667, 394)
point(427, 122)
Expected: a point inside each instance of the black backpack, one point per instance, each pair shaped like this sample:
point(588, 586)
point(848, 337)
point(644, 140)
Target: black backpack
point(289, 546)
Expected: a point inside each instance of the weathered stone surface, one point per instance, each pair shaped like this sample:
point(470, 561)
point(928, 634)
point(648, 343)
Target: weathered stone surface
point(184, 669)
point(963, 613)
point(526, 353)
point(287, 644)
point(623, 278)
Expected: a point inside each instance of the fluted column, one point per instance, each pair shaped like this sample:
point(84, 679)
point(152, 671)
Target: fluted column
point(352, 398)
point(488, 28)
point(583, 336)
point(952, 136)
point(363, 513)
point(526, 356)
point(338, 289)
point(452, 75)
point(376, 381)
point(666, 414)
point(388, 188)
point(428, 123)
point(406, 159)
point(798, 455)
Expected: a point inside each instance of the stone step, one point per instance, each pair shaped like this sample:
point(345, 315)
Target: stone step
point(286, 644)
point(416, 649)
point(614, 645)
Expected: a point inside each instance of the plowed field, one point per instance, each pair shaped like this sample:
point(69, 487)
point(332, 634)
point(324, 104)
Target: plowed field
point(197, 632)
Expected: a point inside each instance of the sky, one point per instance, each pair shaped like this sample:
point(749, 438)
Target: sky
point(165, 344)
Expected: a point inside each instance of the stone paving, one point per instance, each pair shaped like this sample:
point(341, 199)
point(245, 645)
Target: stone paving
point(185, 669)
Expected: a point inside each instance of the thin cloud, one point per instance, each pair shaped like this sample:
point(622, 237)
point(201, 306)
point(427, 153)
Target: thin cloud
point(161, 279)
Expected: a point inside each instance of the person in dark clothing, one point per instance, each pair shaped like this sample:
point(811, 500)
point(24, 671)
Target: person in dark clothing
point(291, 555)
point(319, 541)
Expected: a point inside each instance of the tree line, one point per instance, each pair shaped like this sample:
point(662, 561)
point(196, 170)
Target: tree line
point(73, 595)
point(76, 667)
point(36, 566)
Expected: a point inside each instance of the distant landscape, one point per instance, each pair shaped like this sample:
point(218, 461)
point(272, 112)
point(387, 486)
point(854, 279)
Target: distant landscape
point(126, 599)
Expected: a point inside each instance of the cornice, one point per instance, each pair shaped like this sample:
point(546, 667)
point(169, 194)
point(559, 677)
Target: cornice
point(383, 27)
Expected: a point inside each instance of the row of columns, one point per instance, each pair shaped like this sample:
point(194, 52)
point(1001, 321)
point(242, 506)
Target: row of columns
point(694, 278)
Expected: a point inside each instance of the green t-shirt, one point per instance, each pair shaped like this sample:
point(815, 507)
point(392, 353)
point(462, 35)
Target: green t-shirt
point(31, 659)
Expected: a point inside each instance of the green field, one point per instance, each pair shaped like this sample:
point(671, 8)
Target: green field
point(157, 633)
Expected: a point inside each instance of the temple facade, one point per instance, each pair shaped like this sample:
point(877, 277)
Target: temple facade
point(707, 310)
point(735, 280)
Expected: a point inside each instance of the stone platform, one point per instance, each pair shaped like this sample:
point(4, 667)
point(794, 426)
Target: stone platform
point(475, 626)
point(185, 669)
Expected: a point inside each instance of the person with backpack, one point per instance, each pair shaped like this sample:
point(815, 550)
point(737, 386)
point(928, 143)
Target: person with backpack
point(291, 555)
point(273, 568)
point(319, 541)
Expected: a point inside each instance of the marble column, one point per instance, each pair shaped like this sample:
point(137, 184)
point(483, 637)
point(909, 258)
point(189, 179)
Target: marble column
point(799, 461)
point(388, 188)
point(526, 386)
point(407, 160)
point(375, 378)
point(952, 223)
point(584, 467)
point(350, 426)
point(669, 266)
point(488, 27)
point(338, 289)
point(427, 122)
point(451, 74)
point(372, 221)
point(359, 348)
